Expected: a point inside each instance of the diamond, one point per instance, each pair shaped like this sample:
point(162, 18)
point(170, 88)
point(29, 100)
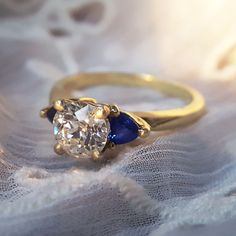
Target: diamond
point(78, 129)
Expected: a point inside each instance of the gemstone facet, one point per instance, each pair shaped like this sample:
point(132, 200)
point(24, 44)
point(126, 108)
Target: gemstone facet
point(78, 129)
point(123, 129)
point(51, 113)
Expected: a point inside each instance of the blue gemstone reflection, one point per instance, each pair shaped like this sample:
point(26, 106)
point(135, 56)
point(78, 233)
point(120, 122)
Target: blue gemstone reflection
point(55, 130)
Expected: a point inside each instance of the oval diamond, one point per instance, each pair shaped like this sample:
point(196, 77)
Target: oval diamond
point(78, 129)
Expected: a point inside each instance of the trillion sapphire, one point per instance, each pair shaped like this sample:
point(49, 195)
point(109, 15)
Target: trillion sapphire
point(51, 113)
point(123, 129)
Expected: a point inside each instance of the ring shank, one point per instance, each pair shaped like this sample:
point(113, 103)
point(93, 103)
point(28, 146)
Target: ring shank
point(158, 120)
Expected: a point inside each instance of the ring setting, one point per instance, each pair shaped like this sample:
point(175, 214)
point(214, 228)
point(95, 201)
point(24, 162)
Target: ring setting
point(85, 128)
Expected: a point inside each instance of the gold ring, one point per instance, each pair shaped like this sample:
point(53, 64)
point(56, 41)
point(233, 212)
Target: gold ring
point(85, 127)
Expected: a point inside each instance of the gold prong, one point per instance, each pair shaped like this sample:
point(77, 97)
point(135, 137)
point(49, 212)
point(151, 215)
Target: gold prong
point(110, 145)
point(114, 110)
point(102, 112)
point(96, 156)
point(141, 122)
point(43, 112)
point(144, 127)
point(85, 99)
point(143, 132)
point(58, 105)
point(58, 149)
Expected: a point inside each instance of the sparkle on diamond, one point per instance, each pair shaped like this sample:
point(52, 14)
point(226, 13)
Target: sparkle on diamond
point(78, 130)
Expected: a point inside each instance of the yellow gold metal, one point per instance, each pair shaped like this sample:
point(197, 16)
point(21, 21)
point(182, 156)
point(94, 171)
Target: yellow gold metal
point(96, 156)
point(147, 121)
point(85, 99)
point(145, 128)
point(58, 105)
point(43, 112)
point(143, 133)
point(103, 112)
point(115, 110)
point(109, 145)
point(58, 149)
point(155, 120)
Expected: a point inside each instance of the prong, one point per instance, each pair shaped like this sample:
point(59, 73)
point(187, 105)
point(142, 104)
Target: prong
point(43, 112)
point(96, 156)
point(110, 145)
point(144, 127)
point(114, 110)
point(102, 112)
point(58, 105)
point(85, 99)
point(58, 149)
point(143, 132)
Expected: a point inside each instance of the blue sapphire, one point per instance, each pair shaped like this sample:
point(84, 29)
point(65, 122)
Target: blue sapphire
point(51, 113)
point(123, 129)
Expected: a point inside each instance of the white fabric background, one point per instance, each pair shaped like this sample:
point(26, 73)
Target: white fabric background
point(175, 183)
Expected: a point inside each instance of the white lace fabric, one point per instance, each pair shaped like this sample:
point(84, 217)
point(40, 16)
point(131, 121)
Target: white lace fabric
point(173, 183)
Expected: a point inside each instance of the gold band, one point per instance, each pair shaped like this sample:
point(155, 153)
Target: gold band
point(158, 120)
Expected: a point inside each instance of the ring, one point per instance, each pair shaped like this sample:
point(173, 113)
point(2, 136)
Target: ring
point(84, 127)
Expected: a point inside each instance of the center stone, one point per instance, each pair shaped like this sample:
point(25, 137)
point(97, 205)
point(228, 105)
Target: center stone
point(78, 130)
